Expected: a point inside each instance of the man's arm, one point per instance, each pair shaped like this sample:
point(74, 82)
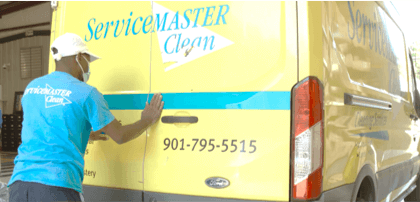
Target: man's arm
point(122, 134)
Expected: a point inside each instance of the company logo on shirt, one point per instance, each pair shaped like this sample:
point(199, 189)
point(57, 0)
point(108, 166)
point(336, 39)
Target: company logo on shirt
point(53, 97)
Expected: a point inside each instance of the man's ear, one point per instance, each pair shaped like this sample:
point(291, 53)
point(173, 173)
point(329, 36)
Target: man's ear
point(78, 56)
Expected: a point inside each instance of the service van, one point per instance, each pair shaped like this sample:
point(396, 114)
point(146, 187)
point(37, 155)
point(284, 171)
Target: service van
point(264, 101)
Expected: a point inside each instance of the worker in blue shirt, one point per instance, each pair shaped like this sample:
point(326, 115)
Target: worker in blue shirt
point(60, 112)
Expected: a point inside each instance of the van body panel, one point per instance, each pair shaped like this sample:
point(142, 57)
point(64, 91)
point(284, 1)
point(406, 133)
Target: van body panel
point(225, 89)
point(309, 35)
point(229, 68)
point(356, 64)
point(116, 75)
point(230, 65)
point(194, 167)
point(201, 86)
point(108, 164)
point(123, 167)
point(401, 183)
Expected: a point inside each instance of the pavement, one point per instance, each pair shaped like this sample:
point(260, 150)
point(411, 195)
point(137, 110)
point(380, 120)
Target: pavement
point(7, 165)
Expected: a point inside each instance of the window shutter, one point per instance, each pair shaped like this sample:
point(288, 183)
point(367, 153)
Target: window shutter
point(30, 62)
point(36, 62)
point(25, 63)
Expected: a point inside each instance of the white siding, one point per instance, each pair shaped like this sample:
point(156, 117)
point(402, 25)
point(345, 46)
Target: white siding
point(10, 79)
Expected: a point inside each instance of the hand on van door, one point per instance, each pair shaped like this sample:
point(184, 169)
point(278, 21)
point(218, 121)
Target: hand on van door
point(123, 134)
point(95, 136)
point(152, 111)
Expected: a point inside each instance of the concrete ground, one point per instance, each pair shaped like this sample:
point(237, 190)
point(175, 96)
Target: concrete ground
point(5, 179)
point(7, 165)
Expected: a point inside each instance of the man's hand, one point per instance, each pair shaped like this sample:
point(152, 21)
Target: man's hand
point(152, 111)
point(95, 136)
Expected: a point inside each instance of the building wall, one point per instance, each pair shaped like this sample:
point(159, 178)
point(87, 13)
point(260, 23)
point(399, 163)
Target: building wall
point(10, 79)
point(34, 15)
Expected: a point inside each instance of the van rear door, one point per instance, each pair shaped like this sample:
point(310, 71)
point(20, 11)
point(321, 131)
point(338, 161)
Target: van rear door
point(225, 70)
point(122, 75)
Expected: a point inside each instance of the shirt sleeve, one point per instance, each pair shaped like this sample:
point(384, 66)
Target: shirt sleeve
point(97, 110)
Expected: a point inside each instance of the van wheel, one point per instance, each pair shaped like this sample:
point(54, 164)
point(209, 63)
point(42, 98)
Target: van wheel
point(415, 194)
point(366, 191)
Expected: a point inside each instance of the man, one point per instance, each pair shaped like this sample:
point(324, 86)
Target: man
point(60, 110)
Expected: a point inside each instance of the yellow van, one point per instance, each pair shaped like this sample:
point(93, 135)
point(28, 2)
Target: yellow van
point(264, 101)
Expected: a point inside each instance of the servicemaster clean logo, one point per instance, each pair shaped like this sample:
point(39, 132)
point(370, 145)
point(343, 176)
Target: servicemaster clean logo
point(53, 97)
point(181, 37)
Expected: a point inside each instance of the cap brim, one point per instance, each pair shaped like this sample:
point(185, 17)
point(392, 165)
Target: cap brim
point(93, 57)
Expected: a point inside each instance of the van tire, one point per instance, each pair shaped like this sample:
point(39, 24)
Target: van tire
point(366, 191)
point(415, 194)
point(365, 179)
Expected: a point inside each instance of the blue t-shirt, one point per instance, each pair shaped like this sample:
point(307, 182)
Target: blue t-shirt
point(59, 112)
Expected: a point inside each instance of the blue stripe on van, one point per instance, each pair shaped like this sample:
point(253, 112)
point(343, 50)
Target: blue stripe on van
point(380, 135)
point(267, 100)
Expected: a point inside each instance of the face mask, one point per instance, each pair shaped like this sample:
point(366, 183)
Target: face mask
point(87, 74)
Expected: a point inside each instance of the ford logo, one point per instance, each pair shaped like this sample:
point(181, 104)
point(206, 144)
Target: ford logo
point(217, 182)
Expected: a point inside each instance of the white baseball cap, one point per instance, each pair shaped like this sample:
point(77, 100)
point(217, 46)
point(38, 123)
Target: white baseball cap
point(70, 44)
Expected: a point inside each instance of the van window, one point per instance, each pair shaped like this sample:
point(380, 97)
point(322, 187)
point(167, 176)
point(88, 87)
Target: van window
point(372, 48)
point(398, 80)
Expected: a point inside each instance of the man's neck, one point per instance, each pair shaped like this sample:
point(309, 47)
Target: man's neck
point(67, 70)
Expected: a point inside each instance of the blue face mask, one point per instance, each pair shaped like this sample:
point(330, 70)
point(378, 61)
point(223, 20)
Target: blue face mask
point(87, 74)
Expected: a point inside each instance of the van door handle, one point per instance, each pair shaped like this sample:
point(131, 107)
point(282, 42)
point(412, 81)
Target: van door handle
point(179, 119)
point(412, 116)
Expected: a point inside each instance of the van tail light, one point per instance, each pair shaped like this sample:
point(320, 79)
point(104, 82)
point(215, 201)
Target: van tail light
point(307, 139)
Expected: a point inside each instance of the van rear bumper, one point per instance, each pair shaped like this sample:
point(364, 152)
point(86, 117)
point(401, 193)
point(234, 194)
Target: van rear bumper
point(342, 193)
point(94, 193)
point(157, 197)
